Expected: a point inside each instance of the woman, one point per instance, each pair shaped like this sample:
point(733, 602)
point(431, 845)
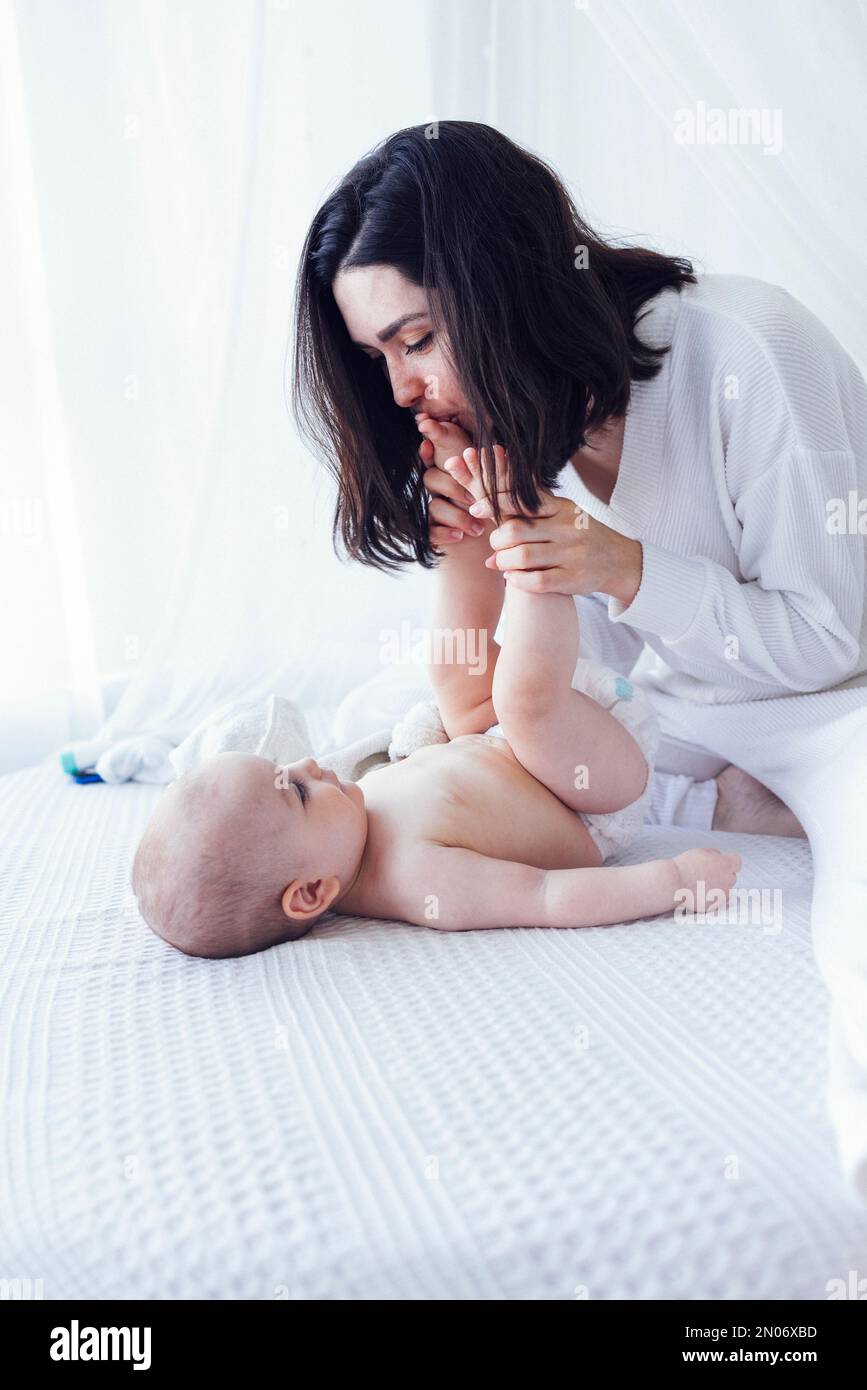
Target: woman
point(712, 431)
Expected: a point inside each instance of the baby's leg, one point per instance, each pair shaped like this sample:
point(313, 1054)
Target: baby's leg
point(564, 738)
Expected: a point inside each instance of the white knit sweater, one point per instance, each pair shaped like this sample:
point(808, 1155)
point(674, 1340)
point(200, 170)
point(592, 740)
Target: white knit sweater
point(732, 457)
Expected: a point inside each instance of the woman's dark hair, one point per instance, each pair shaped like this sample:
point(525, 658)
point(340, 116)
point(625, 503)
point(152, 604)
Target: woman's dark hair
point(539, 312)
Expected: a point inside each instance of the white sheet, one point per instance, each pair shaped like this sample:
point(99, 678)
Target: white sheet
point(382, 1111)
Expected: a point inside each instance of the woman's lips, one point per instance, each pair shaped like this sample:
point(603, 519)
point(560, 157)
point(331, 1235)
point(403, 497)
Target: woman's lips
point(446, 420)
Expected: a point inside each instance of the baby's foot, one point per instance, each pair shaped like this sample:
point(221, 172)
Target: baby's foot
point(744, 803)
point(466, 469)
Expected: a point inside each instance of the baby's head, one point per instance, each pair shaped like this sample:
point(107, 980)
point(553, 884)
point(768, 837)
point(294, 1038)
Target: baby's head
point(242, 852)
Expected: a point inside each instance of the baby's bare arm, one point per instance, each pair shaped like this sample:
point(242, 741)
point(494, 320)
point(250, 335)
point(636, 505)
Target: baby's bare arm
point(468, 601)
point(459, 890)
point(467, 605)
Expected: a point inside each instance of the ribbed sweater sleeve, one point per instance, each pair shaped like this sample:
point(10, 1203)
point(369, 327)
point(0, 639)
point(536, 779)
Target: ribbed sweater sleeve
point(793, 614)
point(797, 621)
point(617, 647)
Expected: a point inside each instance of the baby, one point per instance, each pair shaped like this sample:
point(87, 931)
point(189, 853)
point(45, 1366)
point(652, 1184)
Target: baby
point(500, 826)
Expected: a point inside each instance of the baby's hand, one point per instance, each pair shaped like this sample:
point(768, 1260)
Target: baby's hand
point(711, 867)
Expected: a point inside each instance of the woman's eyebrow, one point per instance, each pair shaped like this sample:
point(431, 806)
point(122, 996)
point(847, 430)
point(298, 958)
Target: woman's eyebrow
point(392, 328)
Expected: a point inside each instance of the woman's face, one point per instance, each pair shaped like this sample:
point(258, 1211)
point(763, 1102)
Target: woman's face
point(387, 318)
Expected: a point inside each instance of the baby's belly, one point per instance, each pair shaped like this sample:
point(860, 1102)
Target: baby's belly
point(479, 797)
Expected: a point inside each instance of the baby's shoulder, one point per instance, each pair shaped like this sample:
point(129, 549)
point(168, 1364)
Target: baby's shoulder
point(410, 887)
point(395, 884)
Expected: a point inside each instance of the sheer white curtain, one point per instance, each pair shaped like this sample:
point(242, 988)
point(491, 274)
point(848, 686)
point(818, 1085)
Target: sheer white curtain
point(610, 91)
point(166, 534)
point(163, 529)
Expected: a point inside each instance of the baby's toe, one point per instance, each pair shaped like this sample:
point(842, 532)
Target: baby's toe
point(474, 469)
point(458, 470)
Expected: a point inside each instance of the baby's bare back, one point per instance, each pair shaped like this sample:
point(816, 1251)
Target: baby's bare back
point(472, 794)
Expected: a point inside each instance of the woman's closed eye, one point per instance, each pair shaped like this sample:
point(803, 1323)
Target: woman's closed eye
point(422, 343)
point(301, 790)
point(410, 347)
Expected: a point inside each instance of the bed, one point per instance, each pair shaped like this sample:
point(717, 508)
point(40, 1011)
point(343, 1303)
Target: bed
point(381, 1111)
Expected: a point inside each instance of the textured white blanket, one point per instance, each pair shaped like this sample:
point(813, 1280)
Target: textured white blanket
point(382, 1111)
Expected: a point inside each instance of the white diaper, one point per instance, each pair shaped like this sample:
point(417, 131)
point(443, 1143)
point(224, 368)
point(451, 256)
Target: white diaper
point(612, 831)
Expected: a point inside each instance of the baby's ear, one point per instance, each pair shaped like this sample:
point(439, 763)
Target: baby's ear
point(304, 901)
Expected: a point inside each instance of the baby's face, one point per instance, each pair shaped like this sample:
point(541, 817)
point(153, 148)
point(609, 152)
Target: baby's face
point(308, 818)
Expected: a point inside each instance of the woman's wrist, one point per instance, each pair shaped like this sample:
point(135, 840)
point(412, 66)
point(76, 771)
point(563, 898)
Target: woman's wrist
point(626, 581)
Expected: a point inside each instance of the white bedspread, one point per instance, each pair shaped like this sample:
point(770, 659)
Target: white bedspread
point(383, 1111)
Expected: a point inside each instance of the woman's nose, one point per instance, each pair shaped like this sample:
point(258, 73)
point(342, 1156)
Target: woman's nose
point(407, 388)
point(405, 399)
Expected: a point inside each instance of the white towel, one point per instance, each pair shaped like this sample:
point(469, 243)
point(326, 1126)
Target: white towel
point(275, 728)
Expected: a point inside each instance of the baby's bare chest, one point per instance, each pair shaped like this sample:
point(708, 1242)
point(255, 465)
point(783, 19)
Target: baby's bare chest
point(473, 793)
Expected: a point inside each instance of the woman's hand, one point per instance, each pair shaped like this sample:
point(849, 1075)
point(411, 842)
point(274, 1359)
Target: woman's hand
point(449, 500)
point(561, 549)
